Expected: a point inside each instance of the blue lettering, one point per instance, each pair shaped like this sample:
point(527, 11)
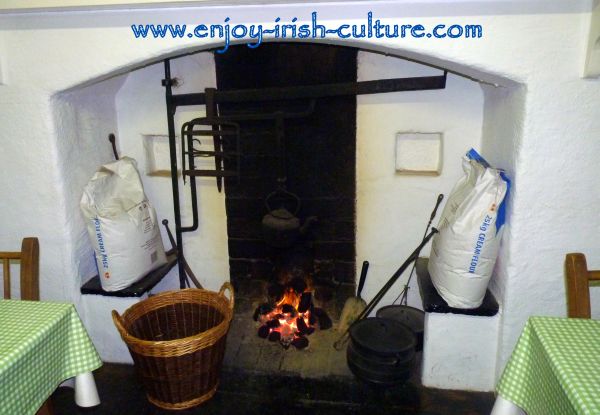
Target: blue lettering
point(339, 31)
point(371, 27)
point(304, 31)
point(316, 26)
point(255, 35)
point(417, 28)
point(452, 32)
point(438, 34)
point(235, 32)
point(200, 28)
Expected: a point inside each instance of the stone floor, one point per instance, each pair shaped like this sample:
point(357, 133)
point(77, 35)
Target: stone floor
point(242, 393)
point(261, 377)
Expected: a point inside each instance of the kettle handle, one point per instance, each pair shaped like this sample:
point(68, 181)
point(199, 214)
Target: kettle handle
point(284, 192)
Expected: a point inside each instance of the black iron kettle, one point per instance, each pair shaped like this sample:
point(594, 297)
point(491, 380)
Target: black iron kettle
point(280, 227)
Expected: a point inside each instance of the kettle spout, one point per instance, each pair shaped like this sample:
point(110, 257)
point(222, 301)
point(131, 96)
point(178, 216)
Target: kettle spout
point(307, 224)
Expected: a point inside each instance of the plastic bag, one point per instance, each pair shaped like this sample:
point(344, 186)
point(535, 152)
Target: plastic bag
point(122, 225)
point(464, 251)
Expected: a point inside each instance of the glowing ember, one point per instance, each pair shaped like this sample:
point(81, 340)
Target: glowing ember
point(290, 318)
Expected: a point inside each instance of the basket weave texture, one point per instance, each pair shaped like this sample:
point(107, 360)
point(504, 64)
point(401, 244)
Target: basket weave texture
point(177, 342)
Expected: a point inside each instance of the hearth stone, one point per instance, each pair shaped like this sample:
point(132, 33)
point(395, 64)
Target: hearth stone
point(247, 351)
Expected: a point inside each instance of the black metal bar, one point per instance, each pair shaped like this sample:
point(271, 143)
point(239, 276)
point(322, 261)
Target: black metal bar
point(204, 153)
point(210, 173)
point(211, 113)
point(113, 142)
point(316, 91)
point(210, 133)
point(182, 137)
point(171, 108)
point(191, 165)
point(260, 116)
point(186, 266)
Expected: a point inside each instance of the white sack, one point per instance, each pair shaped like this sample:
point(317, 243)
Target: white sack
point(122, 225)
point(464, 251)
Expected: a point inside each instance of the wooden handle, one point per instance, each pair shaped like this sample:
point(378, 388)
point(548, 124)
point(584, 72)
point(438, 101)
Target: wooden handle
point(363, 277)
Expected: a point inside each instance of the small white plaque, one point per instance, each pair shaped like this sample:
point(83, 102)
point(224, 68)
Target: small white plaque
point(419, 153)
point(158, 160)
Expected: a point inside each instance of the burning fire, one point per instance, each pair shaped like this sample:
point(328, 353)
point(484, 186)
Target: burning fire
point(291, 297)
point(289, 320)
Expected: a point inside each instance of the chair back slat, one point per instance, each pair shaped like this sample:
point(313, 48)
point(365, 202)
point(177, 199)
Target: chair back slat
point(594, 275)
point(577, 278)
point(6, 276)
point(30, 269)
point(29, 281)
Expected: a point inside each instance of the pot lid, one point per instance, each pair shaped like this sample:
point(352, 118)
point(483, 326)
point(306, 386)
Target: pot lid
point(382, 335)
point(409, 316)
point(282, 213)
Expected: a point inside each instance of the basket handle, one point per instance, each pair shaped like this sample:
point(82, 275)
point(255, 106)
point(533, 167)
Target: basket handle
point(227, 286)
point(118, 320)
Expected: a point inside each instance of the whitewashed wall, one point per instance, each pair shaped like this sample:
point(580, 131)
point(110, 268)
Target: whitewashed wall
point(540, 46)
point(392, 208)
point(142, 111)
point(83, 119)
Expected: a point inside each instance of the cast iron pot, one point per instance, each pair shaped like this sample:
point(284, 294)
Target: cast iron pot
point(381, 350)
point(411, 317)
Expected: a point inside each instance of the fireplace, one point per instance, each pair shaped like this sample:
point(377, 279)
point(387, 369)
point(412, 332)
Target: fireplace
point(353, 203)
point(291, 211)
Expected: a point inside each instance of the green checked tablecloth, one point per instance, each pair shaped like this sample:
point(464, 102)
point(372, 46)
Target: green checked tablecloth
point(41, 345)
point(555, 367)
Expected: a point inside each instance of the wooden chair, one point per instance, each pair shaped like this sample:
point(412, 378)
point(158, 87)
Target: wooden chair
point(30, 269)
point(29, 258)
point(578, 279)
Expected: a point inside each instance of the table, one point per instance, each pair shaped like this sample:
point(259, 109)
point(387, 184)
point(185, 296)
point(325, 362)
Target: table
point(554, 369)
point(41, 345)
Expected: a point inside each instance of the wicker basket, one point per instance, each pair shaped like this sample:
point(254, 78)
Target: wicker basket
point(177, 342)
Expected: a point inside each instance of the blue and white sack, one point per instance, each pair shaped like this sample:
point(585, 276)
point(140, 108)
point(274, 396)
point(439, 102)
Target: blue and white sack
point(122, 225)
point(464, 251)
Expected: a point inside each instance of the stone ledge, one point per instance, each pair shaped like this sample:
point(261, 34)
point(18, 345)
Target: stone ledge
point(137, 289)
point(434, 303)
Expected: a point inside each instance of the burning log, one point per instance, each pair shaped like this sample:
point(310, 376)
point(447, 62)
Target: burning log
point(273, 323)
point(305, 302)
point(263, 332)
point(264, 308)
point(288, 309)
point(274, 336)
point(301, 324)
point(322, 318)
point(300, 342)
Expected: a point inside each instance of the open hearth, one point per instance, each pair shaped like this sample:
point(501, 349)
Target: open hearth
point(248, 352)
point(290, 315)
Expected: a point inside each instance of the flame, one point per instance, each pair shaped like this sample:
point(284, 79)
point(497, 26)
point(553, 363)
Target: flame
point(291, 297)
point(288, 328)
